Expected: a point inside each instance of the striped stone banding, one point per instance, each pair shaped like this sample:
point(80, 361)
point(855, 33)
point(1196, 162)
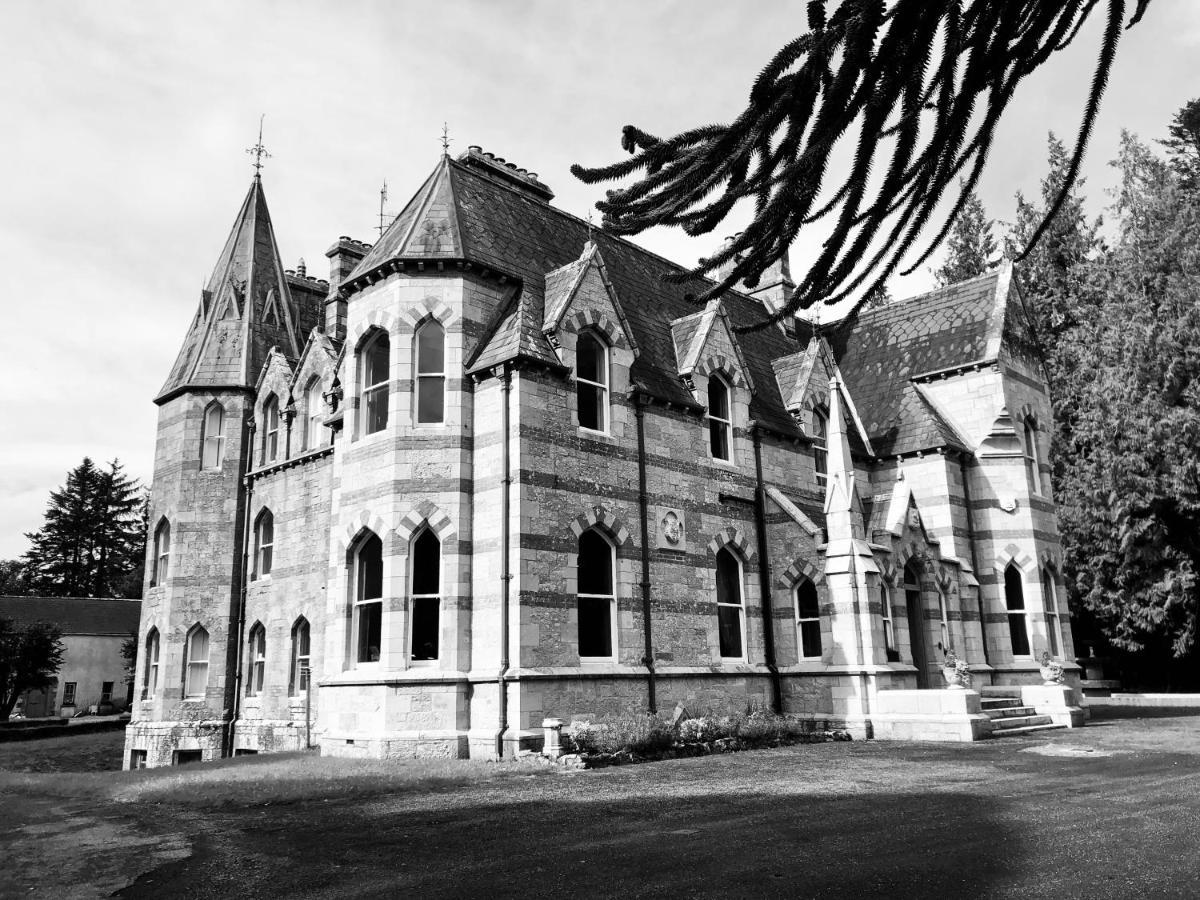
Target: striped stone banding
point(599, 517)
point(731, 537)
point(418, 314)
point(588, 318)
point(425, 513)
point(800, 571)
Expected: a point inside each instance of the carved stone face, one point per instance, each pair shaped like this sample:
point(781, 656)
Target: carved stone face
point(671, 528)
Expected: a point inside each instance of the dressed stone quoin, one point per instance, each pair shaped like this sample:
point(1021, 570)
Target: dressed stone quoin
point(497, 469)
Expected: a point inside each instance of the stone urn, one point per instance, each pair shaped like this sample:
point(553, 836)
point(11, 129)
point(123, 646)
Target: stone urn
point(1051, 674)
point(954, 678)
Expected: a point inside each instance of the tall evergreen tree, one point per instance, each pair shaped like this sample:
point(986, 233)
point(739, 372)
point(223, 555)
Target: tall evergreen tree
point(1127, 474)
point(1068, 241)
point(971, 248)
point(12, 578)
point(1183, 146)
point(92, 537)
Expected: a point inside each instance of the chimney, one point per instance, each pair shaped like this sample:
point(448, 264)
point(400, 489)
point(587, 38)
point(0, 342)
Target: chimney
point(344, 255)
point(773, 287)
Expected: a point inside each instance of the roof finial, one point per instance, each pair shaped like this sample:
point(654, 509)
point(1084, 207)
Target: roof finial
point(445, 139)
point(591, 228)
point(382, 200)
point(258, 151)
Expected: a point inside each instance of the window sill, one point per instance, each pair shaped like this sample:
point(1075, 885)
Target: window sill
point(593, 433)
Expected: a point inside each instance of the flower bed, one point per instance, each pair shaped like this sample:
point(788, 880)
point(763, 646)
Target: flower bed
point(648, 738)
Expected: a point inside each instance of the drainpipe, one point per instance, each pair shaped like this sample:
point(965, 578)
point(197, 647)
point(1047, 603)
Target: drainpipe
point(764, 571)
point(244, 588)
point(639, 411)
point(505, 574)
point(962, 464)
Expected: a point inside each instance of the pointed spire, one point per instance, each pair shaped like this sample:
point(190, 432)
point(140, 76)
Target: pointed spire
point(841, 492)
point(246, 308)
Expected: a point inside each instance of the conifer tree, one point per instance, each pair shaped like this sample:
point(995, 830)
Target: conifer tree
point(971, 248)
point(1183, 146)
point(92, 538)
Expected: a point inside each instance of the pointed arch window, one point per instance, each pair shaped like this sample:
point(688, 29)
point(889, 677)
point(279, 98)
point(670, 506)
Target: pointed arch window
point(1033, 462)
point(258, 660)
point(431, 373)
point(162, 553)
point(731, 619)
point(1018, 615)
point(270, 443)
point(889, 626)
point(212, 442)
point(314, 414)
point(596, 596)
point(195, 682)
point(426, 597)
point(150, 679)
point(720, 418)
point(1050, 605)
point(301, 659)
point(820, 443)
point(374, 366)
point(592, 382)
point(808, 620)
point(368, 599)
point(264, 544)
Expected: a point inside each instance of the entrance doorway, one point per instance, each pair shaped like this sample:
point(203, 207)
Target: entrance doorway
point(916, 625)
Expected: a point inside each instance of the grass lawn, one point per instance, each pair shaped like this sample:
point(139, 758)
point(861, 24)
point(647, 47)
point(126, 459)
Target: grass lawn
point(1112, 810)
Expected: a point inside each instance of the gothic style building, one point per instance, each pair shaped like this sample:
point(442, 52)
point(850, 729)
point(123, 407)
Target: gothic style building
point(498, 469)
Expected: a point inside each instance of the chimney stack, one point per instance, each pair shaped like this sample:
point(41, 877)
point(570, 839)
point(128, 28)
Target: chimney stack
point(344, 255)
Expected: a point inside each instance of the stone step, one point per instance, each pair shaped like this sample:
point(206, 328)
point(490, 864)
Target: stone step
point(1009, 712)
point(1012, 723)
point(1025, 729)
point(999, 702)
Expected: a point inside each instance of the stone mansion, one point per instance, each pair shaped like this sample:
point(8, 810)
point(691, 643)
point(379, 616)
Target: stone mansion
point(498, 469)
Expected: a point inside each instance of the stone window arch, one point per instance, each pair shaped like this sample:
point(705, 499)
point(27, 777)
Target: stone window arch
point(196, 654)
point(256, 660)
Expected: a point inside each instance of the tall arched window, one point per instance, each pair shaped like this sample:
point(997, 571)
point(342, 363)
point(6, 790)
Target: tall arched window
point(257, 657)
point(720, 420)
point(368, 599)
point(162, 553)
point(301, 659)
point(1033, 462)
point(431, 374)
point(730, 611)
point(592, 382)
point(820, 443)
point(808, 620)
point(1050, 605)
point(596, 597)
point(1018, 618)
point(426, 597)
point(270, 439)
point(212, 442)
point(314, 414)
point(885, 613)
point(374, 363)
point(195, 682)
point(264, 544)
point(150, 679)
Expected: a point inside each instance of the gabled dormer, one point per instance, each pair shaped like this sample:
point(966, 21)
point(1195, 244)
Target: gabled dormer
point(274, 410)
point(579, 296)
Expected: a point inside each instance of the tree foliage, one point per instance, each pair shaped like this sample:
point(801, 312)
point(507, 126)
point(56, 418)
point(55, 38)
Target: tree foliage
point(917, 86)
point(1128, 403)
point(12, 579)
point(92, 542)
point(1183, 145)
point(971, 248)
point(30, 656)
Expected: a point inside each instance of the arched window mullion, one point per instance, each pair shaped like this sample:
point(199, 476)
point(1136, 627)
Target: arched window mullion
point(592, 382)
point(430, 342)
point(596, 597)
point(731, 612)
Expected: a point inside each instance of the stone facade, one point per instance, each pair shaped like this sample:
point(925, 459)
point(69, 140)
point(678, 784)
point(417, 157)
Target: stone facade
point(396, 551)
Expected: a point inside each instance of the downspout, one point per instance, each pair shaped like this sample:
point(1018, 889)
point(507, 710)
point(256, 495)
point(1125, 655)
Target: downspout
point(962, 464)
point(244, 588)
point(764, 571)
point(639, 411)
point(505, 574)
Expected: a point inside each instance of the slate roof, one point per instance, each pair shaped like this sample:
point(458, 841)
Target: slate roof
point(478, 211)
point(884, 348)
point(245, 309)
point(75, 615)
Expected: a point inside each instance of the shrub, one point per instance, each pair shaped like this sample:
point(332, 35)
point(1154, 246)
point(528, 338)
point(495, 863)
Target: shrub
point(633, 734)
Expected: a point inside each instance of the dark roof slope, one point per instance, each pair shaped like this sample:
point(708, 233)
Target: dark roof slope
point(75, 615)
point(884, 348)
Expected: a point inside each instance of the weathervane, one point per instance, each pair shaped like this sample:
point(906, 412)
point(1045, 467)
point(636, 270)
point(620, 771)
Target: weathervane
point(591, 227)
point(445, 139)
point(382, 200)
point(258, 151)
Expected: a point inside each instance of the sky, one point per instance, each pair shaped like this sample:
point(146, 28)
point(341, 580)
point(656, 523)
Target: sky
point(123, 160)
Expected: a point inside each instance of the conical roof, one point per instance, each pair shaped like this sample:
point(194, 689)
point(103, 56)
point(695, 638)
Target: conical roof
point(245, 309)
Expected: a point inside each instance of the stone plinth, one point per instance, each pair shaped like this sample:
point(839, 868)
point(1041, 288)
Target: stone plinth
point(946, 715)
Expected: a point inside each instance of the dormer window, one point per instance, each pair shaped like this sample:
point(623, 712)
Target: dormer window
point(820, 444)
point(592, 382)
point(314, 411)
point(720, 421)
point(270, 448)
point(431, 374)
